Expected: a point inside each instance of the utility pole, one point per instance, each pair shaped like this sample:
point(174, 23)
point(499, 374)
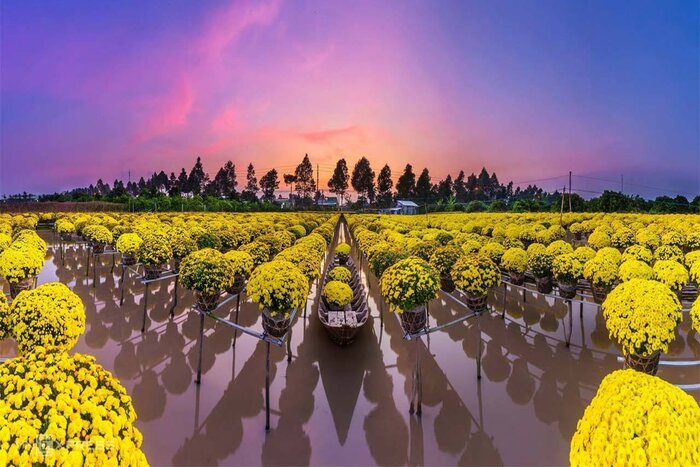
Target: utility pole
point(569, 190)
point(622, 183)
point(561, 212)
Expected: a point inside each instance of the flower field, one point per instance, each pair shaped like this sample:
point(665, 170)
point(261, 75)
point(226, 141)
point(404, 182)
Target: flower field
point(557, 302)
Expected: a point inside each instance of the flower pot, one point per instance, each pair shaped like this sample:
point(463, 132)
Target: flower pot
point(544, 284)
point(648, 364)
point(238, 285)
point(447, 284)
point(98, 248)
point(516, 278)
point(176, 265)
point(24, 284)
point(477, 303)
point(207, 302)
point(276, 326)
point(578, 236)
point(414, 320)
point(128, 259)
point(567, 291)
point(342, 260)
point(330, 306)
point(600, 292)
point(152, 272)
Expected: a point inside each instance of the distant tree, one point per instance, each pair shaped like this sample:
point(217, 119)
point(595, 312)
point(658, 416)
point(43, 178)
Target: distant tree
point(182, 179)
point(197, 179)
point(472, 187)
point(384, 186)
point(497, 206)
point(142, 187)
point(289, 180)
point(406, 184)
point(174, 189)
point(460, 188)
point(118, 188)
point(338, 184)
point(268, 184)
point(363, 179)
point(251, 188)
point(445, 188)
point(423, 186)
point(304, 183)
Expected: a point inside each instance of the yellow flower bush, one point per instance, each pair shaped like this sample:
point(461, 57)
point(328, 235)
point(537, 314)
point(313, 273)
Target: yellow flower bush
point(514, 260)
point(49, 316)
point(567, 269)
point(669, 252)
point(155, 249)
point(340, 273)
point(639, 252)
point(671, 273)
point(409, 283)
point(635, 269)
point(206, 271)
point(694, 273)
point(70, 405)
point(444, 258)
point(181, 242)
point(691, 258)
point(559, 247)
point(305, 258)
point(65, 226)
point(337, 293)
point(494, 251)
point(622, 238)
point(98, 234)
point(476, 274)
point(259, 251)
point(20, 261)
point(584, 254)
point(648, 239)
point(695, 315)
point(540, 262)
point(241, 263)
point(129, 244)
point(278, 286)
point(637, 419)
point(600, 271)
point(642, 316)
point(5, 241)
point(4, 311)
point(598, 240)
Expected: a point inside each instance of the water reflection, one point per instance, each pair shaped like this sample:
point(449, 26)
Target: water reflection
point(334, 405)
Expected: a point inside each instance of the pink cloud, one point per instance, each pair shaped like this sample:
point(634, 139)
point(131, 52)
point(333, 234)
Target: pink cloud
point(164, 113)
point(226, 119)
point(324, 136)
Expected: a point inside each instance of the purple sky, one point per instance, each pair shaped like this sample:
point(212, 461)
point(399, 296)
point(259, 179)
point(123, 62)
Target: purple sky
point(530, 89)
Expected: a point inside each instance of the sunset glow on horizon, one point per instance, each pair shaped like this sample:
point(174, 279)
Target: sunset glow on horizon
point(529, 90)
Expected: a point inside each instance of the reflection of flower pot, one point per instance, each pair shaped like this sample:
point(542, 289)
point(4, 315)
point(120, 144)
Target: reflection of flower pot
point(238, 285)
point(600, 292)
point(128, 259)
point(207, 302)
point(647, 365)
point(476, 303)
point(24, 284)
point(152, 271)
point(544, 284)
point(98, 248)
point(447, 284)
point(278, 325)
point(567, 291)
point(342, 260)
point(66, 236)
point(516, 278)
point(414, 320)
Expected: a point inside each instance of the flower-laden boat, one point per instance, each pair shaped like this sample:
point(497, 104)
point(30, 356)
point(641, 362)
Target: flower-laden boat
point(343, 322)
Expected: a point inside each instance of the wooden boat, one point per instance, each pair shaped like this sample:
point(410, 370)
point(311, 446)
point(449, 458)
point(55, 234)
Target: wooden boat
point(343, 326)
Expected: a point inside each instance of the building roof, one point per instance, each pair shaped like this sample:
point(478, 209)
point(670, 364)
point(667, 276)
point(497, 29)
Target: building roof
point(406, 203)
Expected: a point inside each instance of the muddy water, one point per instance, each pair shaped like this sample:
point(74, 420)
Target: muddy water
point(349, 406)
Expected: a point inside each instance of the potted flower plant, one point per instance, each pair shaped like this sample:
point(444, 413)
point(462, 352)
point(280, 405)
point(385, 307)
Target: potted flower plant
point(514, 261)
point(181, 244)
point(155, 253)
point(49, 316)
point(128, 245)
point(476, 275)
point(208, 273)
point(407, 287)
point(635, 269)
point(540, 263)
point(342, 252)
point(671, 273)
point(65, 229)
point(340, 273)
point(442, 260)
point(602, 274)
point(98, 236)
point(277, 287)
point(567, 270)
point(642, 315)
point(19, 265)
point(637, 419)
point(242, 264)
point(337, 295)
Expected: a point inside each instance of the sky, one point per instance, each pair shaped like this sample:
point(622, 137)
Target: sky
point(529, 89)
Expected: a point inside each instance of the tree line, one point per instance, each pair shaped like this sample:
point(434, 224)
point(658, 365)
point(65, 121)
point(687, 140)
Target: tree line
point(196, 190)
